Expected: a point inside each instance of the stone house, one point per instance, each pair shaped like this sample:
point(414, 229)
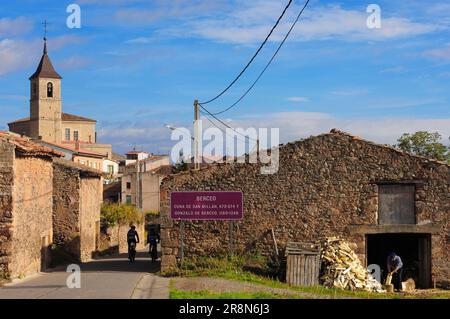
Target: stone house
point(26, 188)
point(141, 181)
point(77, 199)
point(335, 184)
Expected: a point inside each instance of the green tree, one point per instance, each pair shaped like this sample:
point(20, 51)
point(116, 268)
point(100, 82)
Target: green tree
point(113, 214)
point(424, 143)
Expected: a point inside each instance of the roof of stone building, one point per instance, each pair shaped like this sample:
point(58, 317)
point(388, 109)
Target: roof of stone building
point(385, 146)
point(331, 133)
point(45, 68)
point(118, 157)
point(71, 117)
point(64, 117)
point(163, 170)
point(26, 146)
point(71, 146)
point(25, 119)
point(85, 170)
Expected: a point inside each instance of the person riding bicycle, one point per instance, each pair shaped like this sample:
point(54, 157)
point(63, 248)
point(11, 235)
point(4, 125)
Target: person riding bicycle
point(153, 239)
point(132, 237)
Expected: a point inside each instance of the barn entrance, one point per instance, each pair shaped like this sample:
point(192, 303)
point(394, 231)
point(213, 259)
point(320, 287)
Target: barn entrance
point(414, 250)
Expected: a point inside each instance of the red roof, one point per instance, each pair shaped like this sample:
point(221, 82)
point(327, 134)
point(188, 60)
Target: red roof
point(26, 146)
point(64, 117)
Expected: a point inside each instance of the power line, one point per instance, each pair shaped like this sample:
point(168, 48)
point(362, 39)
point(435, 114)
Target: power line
point(210, 121)
point(253, 57)
point(268, 64)
point(225, 124)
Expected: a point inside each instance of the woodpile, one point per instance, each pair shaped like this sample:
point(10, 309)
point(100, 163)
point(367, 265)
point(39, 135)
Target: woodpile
point(341, 268)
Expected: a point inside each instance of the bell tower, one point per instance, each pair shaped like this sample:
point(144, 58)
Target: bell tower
point(45, 101)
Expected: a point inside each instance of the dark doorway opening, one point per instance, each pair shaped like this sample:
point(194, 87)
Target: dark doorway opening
point(414, 250)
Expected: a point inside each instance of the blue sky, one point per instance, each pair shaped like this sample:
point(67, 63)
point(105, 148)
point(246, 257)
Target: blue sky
point(135, 65)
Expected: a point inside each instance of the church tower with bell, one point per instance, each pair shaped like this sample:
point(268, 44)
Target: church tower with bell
point(45, 101)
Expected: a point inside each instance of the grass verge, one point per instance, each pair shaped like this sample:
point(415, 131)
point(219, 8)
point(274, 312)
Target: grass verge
point(232, 269)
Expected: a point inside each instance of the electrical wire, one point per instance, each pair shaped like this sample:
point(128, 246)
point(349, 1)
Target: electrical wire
point(266, 67)
point(252, 59)
point(223, 123)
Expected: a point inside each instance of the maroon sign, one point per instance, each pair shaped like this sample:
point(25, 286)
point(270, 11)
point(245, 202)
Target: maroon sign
point(206, 205)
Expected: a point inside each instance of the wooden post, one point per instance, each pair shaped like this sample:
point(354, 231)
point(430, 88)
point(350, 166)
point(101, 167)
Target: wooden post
point(197, 135)
point(274, 241)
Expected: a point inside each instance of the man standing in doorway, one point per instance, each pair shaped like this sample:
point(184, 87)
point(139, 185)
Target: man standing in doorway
point(395, 269)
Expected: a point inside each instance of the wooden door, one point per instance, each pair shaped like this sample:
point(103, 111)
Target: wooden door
point(396, 204)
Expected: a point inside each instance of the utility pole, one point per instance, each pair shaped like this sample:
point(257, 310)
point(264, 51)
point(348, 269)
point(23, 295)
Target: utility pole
point(138, 184)
point(197, 135)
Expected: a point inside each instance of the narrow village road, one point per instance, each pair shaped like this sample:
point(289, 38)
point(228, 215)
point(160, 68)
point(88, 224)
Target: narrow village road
point(112, 277)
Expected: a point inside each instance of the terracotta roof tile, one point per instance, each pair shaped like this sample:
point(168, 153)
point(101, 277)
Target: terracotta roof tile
point(64, 117)
point(27, 147)
point(82, 168)
point(77, 118)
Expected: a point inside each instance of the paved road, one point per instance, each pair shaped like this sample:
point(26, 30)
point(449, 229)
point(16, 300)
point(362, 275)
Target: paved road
point(112, 277)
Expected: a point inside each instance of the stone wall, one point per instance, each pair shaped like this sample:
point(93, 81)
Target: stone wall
point(76, 209)
point(6, 205)
point(326, 186)
point(32, 215)
point(66, 206)
point(90, 206)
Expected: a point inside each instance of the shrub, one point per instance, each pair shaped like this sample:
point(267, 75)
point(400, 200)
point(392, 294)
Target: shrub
point(114, 214)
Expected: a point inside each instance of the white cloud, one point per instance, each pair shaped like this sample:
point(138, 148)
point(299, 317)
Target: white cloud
point(293, 126)
point(74, 62)
point(250, 22)
point(440, 54)
point(296, 125)
point(297, 99)
point(162, 9)
point(140, 40)
point(14, 27)
point(19, 54)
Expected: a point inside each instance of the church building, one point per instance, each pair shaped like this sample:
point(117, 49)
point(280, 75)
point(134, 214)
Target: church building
point(47, 122)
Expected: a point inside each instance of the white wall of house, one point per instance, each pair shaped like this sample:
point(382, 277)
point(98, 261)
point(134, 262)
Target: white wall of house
point(106, 165)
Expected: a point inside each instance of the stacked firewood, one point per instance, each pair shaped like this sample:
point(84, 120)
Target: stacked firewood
point(341, 268)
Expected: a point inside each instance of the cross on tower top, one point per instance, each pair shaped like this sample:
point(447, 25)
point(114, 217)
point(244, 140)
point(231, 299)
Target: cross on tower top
point(45, 24)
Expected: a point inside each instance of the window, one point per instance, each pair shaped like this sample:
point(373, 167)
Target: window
point(128, 185)
point(396, 204)
point(49, 89)
point(128, 199)
point(67, 134)
point(75, 135)
point(95, 165)
point(111, 169)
